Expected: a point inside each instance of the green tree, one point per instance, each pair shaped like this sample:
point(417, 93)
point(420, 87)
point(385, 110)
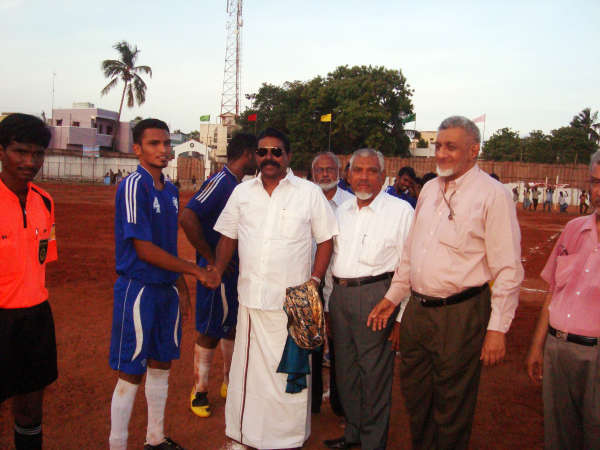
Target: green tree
point(366, 104)
point(537, 147)
point(124, 69)
point(503, 145)
point(587, 120)
point(571, 145)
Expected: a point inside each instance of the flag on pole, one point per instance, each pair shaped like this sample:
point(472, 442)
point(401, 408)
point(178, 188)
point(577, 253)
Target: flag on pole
point(205, 118)
point(326, 118)
point(252, 117)
point(481, 118)
point(410, 118)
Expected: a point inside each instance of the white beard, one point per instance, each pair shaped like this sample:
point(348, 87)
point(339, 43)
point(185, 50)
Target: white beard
point(444, 172)
point(328, 186)
point(363, 195)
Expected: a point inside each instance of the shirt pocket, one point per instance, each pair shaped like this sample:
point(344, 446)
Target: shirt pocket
point(564, 269)
point(293, 226)
point(372, 250)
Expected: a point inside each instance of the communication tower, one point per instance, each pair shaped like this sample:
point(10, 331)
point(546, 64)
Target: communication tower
point(230, 98)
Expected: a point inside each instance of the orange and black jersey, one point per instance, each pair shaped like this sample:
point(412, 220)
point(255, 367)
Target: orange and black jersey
point(27, 243)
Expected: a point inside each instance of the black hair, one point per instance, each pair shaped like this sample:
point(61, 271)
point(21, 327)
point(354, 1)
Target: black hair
point(275, 133)
point(24, 129)
point(429, 176)
point(143, 125)
point(238, 144)
point(408, 171)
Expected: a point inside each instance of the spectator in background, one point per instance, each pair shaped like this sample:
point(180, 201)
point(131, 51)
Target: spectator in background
point(562, 201)
point(535, 196)
point(548, 201)
point(428, 176)
point(495, 176)
point(343, 183)
point(515, 192)
point(583, 203)
point(404, 186)
point(526, 199)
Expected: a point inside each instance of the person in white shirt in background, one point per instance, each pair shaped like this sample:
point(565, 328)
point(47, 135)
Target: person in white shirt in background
point(271, 220)
point(373, 228)
point(326, 173)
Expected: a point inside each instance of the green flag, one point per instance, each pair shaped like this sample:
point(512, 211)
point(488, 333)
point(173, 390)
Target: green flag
point(205, 118)
point(410, 118)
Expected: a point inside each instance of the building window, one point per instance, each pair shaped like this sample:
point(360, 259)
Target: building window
point(75, 124)
point(108, 129)
point(100, 129)
point(59, 122)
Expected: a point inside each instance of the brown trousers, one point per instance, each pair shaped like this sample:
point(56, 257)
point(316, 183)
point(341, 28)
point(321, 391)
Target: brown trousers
point(571, 392)
point(439, 367)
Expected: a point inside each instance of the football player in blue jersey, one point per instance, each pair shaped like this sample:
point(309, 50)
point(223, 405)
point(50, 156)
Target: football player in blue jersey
point(150, 294)
point(216, 310)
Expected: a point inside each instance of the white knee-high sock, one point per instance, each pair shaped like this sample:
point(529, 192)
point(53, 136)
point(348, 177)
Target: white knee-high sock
point(227, 351)
point(202, 362)
point(157, 387)
point(120, 413)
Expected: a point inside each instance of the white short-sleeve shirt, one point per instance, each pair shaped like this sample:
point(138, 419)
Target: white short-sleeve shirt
point(371, 238)
point(274, 236)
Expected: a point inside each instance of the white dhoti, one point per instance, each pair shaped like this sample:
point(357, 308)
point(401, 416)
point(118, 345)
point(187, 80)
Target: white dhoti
point(258, 411)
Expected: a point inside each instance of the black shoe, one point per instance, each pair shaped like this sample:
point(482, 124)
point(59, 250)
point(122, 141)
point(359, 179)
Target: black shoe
point(167, 444)
point(340, 443)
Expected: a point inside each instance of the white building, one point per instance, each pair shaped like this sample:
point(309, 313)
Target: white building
point(193, 149)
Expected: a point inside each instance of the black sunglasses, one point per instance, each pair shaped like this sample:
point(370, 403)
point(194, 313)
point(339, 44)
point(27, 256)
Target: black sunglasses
point(275, 151)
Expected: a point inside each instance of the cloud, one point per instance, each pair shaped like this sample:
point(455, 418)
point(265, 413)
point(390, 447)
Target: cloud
point(8, 4)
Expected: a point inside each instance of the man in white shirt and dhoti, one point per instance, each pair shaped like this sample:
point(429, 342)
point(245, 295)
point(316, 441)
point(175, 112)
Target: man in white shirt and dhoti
point(271, 220)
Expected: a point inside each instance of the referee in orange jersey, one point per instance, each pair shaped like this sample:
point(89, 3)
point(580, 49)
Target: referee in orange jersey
point(27, 340)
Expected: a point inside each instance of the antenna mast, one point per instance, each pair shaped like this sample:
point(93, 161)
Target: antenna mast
point(230, 99)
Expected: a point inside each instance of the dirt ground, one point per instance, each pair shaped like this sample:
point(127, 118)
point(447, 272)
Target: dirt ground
point(77, 405)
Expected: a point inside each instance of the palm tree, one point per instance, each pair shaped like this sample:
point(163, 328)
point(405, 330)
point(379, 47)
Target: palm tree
point(125, 70)
point(587, 120)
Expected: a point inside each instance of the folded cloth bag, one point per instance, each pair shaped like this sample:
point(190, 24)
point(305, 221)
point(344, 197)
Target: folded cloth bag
point(306, 328)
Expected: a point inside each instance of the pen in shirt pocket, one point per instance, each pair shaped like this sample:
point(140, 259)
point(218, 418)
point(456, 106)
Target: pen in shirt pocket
point(562, 250)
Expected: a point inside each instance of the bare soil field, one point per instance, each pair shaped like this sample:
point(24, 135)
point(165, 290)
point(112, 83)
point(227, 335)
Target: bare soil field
point(77, 405)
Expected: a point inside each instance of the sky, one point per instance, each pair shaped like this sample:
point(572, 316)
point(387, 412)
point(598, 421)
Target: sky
point(527, 65)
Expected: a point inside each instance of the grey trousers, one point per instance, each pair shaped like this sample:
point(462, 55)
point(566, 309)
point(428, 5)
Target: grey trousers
point(440, 368)
point(571, 392)
point(364, 363)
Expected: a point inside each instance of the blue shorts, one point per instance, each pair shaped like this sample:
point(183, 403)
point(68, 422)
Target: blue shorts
point(146, 325)
point(216, 310)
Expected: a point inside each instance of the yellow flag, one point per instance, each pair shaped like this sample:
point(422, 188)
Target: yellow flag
point(326, 118)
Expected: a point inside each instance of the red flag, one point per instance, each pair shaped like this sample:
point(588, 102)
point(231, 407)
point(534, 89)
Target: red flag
point(252, 117)
point(481, 118)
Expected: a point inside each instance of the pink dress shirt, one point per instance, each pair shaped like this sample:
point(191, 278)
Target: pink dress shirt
point(572, 272)
point(482, 242)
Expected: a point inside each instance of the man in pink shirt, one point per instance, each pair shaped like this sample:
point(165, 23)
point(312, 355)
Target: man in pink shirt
point(565, 343)
point(464, 234)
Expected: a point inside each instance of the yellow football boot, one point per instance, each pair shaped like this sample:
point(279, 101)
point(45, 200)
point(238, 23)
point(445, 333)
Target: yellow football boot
point(199, 404)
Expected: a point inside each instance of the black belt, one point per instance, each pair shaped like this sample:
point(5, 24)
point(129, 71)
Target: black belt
point(575, 338)
point(361, 281)
point(432, 302)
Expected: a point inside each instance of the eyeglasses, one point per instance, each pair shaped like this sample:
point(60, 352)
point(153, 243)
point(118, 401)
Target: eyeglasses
point(275, 151)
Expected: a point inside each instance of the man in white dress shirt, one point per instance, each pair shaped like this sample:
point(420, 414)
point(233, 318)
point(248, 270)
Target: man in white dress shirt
point(373, 229)
point(326, 173)
point(272, 221)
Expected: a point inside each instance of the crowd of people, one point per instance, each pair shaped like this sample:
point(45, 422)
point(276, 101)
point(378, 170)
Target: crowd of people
point(429, 270)
point(532, 195)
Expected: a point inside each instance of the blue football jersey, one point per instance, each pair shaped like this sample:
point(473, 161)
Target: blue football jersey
point(210, 200)
point(142, 212)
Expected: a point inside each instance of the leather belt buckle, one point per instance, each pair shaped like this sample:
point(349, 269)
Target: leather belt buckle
point(343, 282)
point(561, 335)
